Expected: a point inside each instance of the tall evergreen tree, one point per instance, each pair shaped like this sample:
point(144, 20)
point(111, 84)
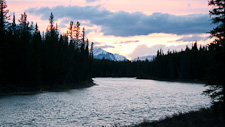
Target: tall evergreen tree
point(217, 51)
point(218, 17)
point(70, 31)
point(3, 16)
point(36, 57)
point(50, 50)
point(23, 49)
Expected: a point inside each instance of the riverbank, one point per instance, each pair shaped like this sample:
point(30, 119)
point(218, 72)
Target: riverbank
point(210, 117)
point(172, 80)
point(42, 88)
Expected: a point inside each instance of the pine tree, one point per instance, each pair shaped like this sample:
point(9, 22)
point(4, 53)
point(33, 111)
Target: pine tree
point(218, 17)
point(23, 50)
point(3, 16)
point(77, 30)
point(36, 59)
point(10, 49)
point(217, 51)
point(70, 31)
point(50, 50)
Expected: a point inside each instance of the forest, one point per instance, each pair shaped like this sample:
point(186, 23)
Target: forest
point(30, 61)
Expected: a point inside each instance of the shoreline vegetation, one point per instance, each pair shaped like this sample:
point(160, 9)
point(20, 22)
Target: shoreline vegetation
point(210, 117)
point(58, 88)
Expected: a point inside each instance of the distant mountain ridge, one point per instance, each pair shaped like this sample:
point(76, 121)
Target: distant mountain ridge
point(99, 53)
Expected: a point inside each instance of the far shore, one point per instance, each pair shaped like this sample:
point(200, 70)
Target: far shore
point(162, 79)
point(174, 80)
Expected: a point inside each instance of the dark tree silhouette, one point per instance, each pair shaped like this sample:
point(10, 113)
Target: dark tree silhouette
point(50, 50)
point(218, 17)
point(29, 61)
point(217, 51)
point(3, 16)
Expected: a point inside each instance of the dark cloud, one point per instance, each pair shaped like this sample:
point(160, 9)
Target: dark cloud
point(105, 46)
point(192, 38)
point(129, 24)
point(125, 42)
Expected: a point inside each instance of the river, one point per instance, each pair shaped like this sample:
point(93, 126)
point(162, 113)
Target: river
point(126, 101)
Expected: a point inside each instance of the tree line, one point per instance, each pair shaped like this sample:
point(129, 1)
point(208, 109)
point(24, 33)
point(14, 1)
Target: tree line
point(29, 61)
point(187, 65)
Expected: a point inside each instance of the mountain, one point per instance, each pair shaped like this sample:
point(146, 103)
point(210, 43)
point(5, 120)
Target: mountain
point(120, 57)
point(99, 53)
point(143, 58)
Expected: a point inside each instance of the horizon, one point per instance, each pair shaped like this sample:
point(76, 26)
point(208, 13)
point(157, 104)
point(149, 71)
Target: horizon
point(143, 26)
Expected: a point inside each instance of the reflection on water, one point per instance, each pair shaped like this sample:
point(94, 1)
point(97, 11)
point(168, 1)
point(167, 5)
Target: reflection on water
point(114, 100)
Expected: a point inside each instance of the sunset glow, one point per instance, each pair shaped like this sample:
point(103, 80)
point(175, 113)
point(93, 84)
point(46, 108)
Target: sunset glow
point(159, 35)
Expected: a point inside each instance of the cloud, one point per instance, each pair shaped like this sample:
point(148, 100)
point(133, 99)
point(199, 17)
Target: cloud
point(189, 5)
point(89, 1)
point(129, 24)
point(144, 50)
point(64, 23)
point(125, 42)
point(105, 46)
point(192, 38)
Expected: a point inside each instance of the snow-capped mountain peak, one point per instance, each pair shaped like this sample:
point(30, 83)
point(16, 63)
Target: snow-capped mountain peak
point(98, 51)
point(102, 54)
point(120, 57)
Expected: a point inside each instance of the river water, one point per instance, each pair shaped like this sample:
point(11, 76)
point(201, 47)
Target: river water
point(126, 101)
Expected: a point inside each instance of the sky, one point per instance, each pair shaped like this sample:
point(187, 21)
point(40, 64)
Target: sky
point(132, 28)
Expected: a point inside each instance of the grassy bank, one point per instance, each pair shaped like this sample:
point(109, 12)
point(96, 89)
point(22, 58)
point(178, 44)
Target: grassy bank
point(211, 117)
